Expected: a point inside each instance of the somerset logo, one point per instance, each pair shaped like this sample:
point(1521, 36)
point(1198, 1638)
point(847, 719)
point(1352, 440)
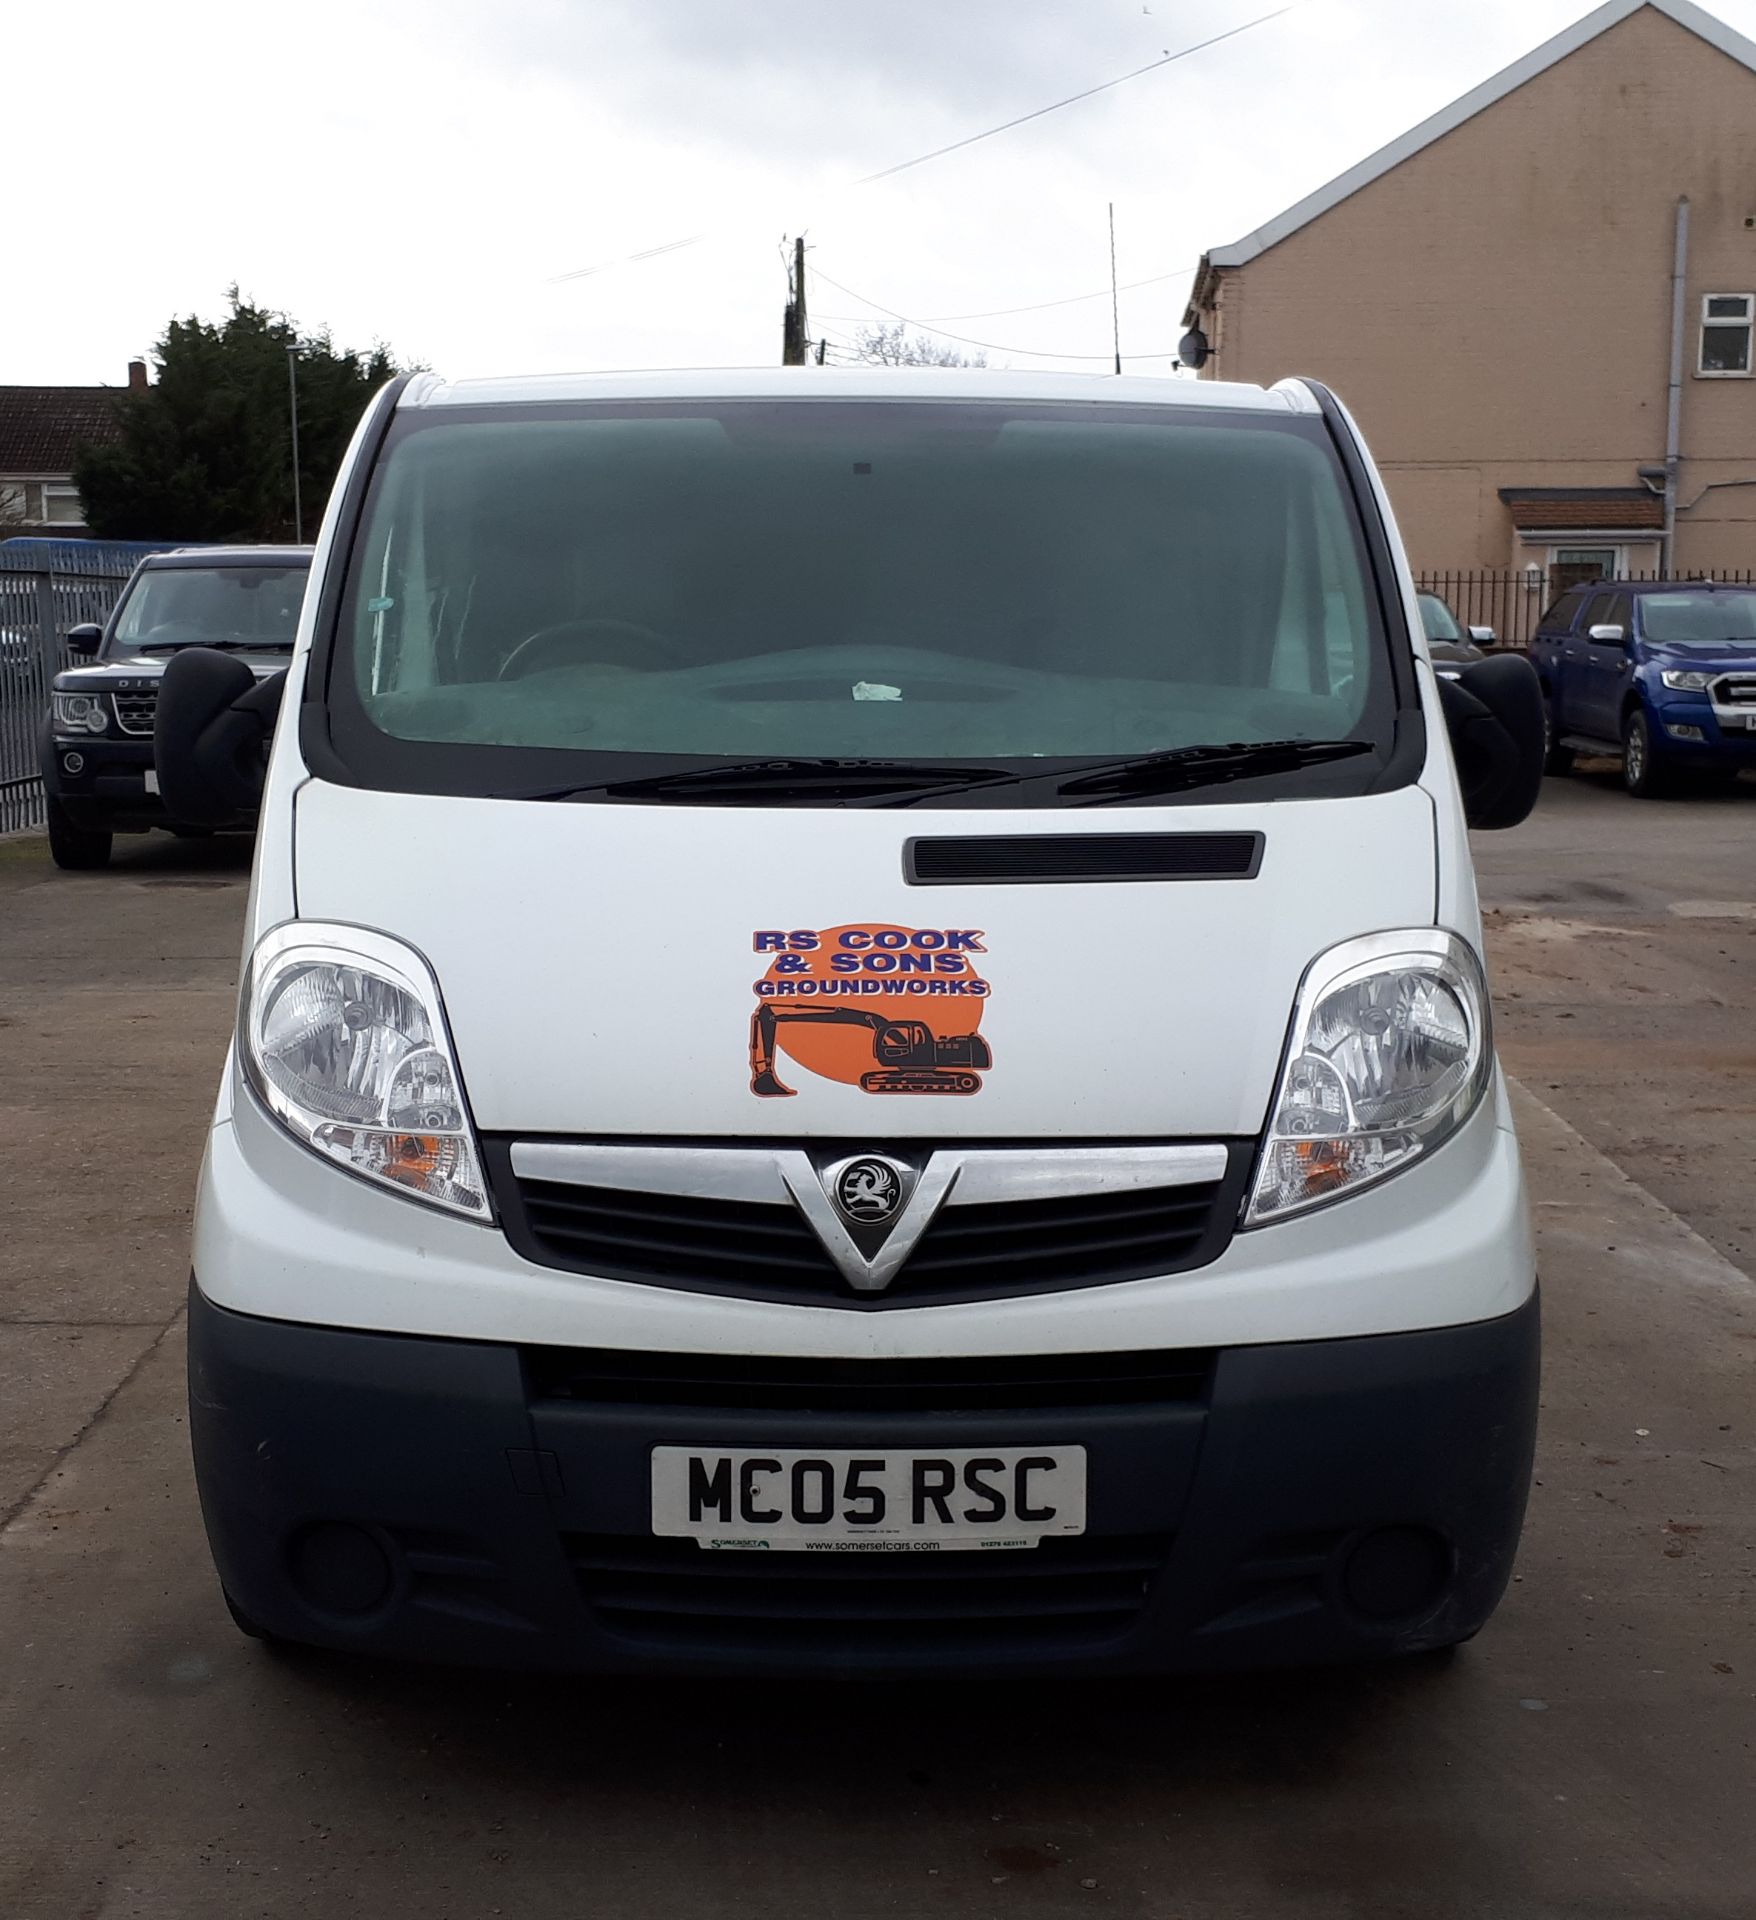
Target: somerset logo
point(885, 1009)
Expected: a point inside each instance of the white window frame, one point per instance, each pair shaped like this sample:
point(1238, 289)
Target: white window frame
point(60, 490)
point(1721, 323)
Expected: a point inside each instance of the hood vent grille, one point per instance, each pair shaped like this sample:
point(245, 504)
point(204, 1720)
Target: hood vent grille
point(1031, 858)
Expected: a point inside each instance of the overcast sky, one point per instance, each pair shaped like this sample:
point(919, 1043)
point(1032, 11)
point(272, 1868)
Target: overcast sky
point(422, 171)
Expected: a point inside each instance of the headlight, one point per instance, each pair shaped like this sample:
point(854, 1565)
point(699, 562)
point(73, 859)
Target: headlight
point(1390, 1053)
point(1687, 680)
point(342, 1036)
point(79, 712)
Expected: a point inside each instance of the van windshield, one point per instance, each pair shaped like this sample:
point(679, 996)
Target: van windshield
point(542, 594)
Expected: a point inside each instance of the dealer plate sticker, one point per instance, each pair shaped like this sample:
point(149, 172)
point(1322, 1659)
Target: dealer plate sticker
point(868, 1500)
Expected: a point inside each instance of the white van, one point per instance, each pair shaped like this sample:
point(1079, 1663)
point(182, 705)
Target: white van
point(863, 1043)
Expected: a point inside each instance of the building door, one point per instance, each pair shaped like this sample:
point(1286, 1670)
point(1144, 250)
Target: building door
point(1578, 566)
point(1604, 666)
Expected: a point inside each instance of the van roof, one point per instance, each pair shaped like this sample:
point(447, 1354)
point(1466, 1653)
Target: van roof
point(855, 383)
point(241, 556)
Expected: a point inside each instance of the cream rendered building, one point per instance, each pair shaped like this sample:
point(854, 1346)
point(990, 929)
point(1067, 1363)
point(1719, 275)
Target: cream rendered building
point(1496, 297)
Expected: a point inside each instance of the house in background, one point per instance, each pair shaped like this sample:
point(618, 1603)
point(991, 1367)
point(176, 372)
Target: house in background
point(1496, 297)
point(41, 431)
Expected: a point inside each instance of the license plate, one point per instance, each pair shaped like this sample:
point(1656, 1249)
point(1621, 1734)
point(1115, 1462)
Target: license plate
point(868, 1500)
point(152, 780)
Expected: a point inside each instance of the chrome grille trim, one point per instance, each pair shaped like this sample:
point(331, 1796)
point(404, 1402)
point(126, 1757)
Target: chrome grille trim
point(135, 712)
point(981, 1176)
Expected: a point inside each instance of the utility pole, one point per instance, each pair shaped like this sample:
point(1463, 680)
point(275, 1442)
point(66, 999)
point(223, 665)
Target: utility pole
point(795, 333)
point(293, 402)
point(1115, 303)
point(1674, 393)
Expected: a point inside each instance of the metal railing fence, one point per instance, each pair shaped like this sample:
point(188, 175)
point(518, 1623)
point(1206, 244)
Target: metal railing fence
point(1513, 600)
point(37, 606)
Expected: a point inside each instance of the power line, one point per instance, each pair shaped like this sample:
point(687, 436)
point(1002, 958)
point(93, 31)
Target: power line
point(1072, 299)
point(1039, 306)
point(963, 339)
point(1072, 99)
point(970, 140)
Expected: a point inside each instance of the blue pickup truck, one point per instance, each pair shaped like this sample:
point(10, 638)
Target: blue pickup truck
point(1661, 672)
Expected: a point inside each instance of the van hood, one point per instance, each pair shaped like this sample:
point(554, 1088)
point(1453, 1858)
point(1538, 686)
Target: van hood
point(601, 964)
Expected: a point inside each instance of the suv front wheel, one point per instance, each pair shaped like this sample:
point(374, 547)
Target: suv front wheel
point(1642, 772)
point(75, 849)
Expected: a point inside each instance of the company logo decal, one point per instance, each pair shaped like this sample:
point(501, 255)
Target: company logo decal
point(886, 1009)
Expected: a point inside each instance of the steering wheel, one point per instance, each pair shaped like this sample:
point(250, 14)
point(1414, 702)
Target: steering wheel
point(600, 640)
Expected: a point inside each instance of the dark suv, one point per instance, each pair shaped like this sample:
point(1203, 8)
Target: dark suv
point(96, 742)
point(1662, 672)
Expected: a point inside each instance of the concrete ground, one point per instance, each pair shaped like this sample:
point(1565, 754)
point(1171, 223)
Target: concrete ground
point(1592, 1754)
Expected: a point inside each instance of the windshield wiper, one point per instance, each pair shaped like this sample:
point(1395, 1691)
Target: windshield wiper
point(1177, 768)
point(216, 646)
point(1208, 766)
point(758, 782)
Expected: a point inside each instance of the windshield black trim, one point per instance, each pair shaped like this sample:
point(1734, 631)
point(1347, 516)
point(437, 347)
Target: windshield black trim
point(315, 746)
point(1392, 609)
point(409, 766)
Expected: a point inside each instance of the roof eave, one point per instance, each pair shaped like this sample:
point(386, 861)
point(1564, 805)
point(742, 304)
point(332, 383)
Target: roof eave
point(1695, 19)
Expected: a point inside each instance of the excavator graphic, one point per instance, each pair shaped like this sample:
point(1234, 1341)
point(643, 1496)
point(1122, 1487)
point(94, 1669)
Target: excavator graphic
point(908, 1056)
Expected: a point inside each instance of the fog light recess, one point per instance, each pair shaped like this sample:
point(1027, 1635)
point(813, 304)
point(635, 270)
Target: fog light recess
point(1396, 1572)
point(73, 763)
point(338, 1568)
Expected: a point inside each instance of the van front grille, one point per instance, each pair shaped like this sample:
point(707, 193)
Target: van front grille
point(763, 1250)
point(676, 1594)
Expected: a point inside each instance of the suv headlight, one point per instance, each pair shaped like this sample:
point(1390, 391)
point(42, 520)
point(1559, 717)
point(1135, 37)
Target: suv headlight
point(342, 1036)
point(1390, 1052)
point(79, 712)
point(1687, 680)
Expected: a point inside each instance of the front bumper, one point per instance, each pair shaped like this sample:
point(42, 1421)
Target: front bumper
point(474, 1502)
point(109, 791)
point(106, 789)
point(1712, 736)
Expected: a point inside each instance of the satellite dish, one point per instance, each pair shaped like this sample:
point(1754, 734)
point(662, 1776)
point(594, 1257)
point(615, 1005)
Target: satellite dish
point(1194, 349)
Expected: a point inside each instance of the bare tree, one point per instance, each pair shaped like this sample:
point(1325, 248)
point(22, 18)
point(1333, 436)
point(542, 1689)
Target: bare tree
point(895, 346)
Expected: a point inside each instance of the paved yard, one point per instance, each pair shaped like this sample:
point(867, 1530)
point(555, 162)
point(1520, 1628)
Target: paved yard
point(1592, 1754)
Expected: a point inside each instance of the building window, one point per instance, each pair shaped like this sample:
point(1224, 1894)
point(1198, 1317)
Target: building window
point(1726, 323)
point(61, 507)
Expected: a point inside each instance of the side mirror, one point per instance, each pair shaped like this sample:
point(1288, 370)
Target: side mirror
point(83, 641)
point(1609, 636)
point(210, 736)
point(1483, 636)
point(1494, 714)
